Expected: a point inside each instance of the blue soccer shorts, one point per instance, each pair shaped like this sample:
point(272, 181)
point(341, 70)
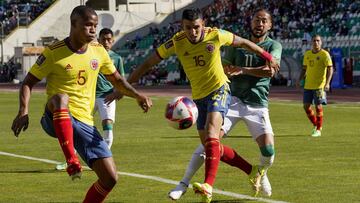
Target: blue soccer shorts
point(316, 97)
point(88, 142)
point(217, 101)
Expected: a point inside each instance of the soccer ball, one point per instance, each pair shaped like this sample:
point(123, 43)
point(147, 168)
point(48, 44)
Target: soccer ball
point(181, 113)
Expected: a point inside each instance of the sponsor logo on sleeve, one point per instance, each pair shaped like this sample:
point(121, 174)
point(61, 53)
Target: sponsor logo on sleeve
point(169, 44)
point(40, 60)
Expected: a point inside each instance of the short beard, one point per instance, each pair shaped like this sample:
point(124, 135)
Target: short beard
point(258, 36)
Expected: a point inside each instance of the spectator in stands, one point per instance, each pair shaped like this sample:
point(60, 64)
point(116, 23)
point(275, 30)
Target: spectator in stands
point(13, 13)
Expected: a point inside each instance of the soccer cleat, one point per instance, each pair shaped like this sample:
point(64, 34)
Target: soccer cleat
point(61, 166)
point(265, 185)
point(205, 190)
point(74, 169)
point(257, 172)
point(178, 191)
point(316, 133)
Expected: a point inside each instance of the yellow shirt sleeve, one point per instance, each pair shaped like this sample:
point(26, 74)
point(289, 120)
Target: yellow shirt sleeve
point(225, 37)
point(42, 67)
point(328, 61)
point(166, 50)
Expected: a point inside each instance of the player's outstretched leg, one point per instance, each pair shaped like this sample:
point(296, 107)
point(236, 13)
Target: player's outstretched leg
point(195, 163)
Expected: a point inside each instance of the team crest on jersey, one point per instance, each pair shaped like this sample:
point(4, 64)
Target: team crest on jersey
point(94, 64)
point(40, 60)
point(210, 47)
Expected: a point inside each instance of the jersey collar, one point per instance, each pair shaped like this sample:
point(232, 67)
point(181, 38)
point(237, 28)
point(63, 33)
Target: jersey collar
point(67, 42)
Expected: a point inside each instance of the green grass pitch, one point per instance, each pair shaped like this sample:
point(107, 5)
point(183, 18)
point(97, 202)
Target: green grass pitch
point(306, 169)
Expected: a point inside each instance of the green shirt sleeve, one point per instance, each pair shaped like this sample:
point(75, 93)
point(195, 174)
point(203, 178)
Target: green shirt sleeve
point(120, 66)
point(118, 62)
point(276, 50)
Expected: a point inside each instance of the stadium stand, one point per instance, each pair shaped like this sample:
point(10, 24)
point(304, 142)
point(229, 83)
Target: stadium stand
point(20, 12)
point(13, 14)
point(337, 21)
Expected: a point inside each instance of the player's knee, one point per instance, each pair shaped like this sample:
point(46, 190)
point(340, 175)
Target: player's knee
point(107, 126)
point(107, 121)
point(307, 108)
point(110, 180)
point(114, 178)
point(267, 150)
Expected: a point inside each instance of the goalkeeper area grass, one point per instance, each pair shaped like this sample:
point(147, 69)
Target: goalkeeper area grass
point(151, 157)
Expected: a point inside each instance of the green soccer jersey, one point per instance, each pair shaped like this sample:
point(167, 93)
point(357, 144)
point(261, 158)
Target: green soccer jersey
point(251, 90)
point(103, 86)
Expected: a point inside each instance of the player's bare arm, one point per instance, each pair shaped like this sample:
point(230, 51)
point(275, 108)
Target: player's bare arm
point(125, 88)
point(116, 95)
point(329, 73)
point(21, 121)
point(260, 71)
point(152, 60)
point(301, 76)
point(247, 44)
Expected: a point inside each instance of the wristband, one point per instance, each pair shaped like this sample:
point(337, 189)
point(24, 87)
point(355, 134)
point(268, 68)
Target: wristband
point(266, 55)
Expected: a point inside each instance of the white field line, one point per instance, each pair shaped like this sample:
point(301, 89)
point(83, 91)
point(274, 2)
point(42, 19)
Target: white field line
point(159, 179)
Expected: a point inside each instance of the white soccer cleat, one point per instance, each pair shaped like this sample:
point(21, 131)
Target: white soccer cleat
point(178, 191)
point(61, 166)
point(265, 186)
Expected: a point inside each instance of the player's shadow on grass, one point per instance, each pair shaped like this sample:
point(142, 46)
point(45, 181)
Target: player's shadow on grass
point(30, 171)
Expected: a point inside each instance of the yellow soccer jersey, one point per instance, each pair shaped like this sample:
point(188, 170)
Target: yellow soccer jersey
point(74, 74)
point(316, 67)
point(201, 61)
